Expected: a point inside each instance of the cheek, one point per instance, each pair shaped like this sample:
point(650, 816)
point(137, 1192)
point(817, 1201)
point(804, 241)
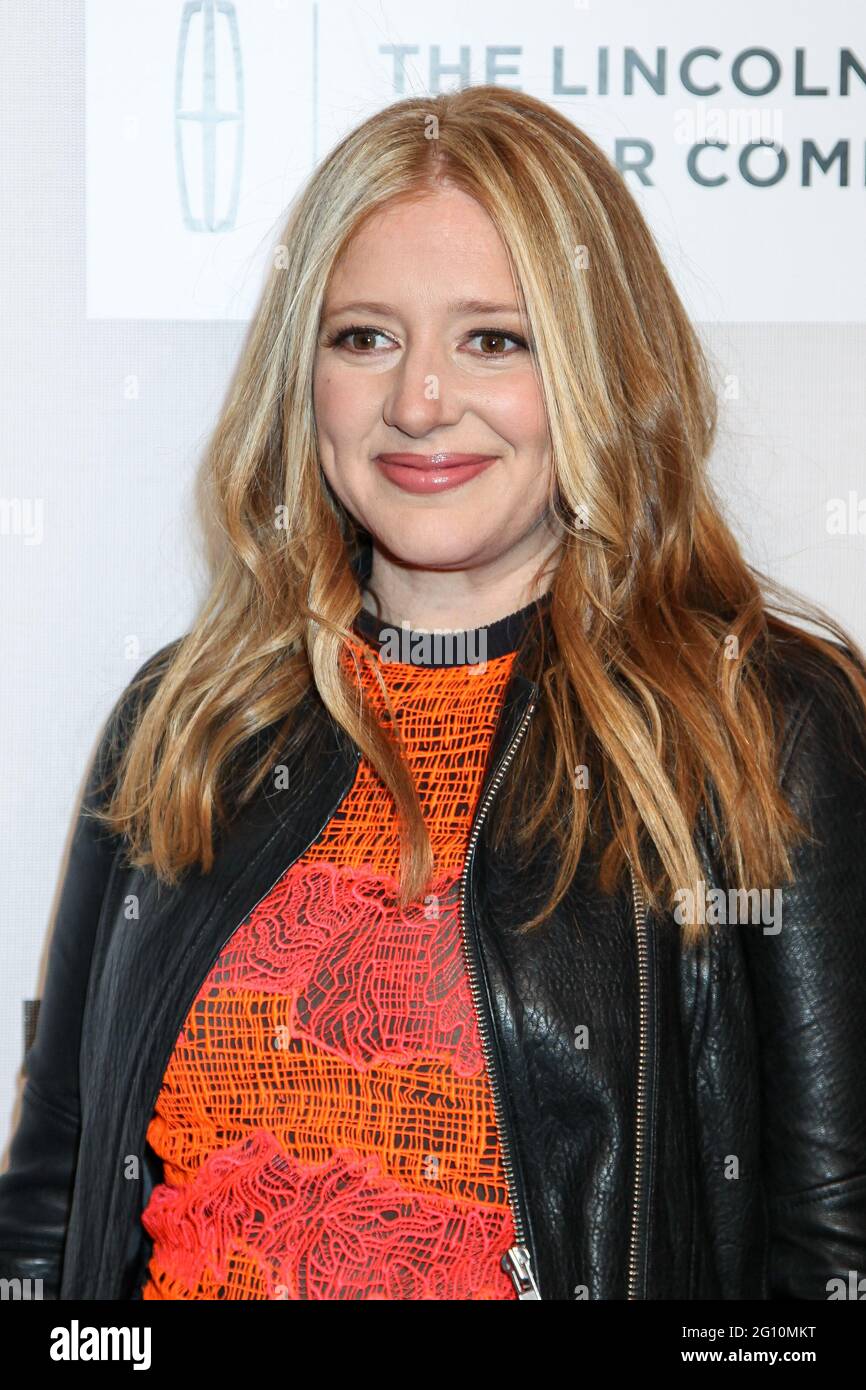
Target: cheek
point(344, 404)
point(325, 392)
point(519, 417)
point(341, 427)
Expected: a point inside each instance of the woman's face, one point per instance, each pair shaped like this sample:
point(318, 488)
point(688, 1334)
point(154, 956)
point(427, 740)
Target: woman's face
point(430, 373)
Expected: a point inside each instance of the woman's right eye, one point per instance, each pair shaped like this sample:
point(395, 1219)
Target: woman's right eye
point(355, 331)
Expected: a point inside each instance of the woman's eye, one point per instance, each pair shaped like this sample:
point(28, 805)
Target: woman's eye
point(348, 333)
point(492, 335)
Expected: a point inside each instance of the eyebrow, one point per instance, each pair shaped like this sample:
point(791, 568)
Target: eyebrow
point(457, 306)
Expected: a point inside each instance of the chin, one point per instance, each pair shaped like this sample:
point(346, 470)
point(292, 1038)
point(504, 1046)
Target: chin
point(429, 545)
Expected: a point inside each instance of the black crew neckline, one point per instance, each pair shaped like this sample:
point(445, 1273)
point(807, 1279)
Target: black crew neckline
point(457, 647)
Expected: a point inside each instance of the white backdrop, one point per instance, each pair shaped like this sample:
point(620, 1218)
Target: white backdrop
point(133, 243)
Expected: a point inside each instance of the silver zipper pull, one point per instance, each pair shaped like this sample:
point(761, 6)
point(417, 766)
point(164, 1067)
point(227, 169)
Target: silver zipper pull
point(517, 1263)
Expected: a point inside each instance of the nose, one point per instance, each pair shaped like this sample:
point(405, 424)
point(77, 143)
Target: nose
point(423, 392)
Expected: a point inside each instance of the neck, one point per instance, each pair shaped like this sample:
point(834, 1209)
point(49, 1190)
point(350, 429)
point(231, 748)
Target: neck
point(425, 601)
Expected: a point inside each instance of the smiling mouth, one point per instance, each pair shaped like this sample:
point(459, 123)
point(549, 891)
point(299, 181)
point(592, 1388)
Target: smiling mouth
point(440, 459)
point(439, 472)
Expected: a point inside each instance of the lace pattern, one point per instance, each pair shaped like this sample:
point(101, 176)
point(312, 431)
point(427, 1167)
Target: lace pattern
point(325, 1121)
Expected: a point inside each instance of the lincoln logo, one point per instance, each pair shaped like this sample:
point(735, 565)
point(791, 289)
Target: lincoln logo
point(209, 114)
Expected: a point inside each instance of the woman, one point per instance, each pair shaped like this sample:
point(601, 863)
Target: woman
point(523, 964)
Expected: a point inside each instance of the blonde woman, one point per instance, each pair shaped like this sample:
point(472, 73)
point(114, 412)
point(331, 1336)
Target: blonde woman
point(470, 905)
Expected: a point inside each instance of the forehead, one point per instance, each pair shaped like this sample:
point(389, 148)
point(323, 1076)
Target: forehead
point(440, 247)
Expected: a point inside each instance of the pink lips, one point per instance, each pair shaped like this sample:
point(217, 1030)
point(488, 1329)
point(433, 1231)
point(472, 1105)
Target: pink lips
point(432, 472)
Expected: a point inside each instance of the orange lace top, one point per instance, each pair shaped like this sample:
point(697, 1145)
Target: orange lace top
point(325, 1122)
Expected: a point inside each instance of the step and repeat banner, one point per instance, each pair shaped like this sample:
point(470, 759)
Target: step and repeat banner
point(740, 128)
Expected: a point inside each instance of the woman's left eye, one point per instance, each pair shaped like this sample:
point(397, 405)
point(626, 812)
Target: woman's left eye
point(499, 337)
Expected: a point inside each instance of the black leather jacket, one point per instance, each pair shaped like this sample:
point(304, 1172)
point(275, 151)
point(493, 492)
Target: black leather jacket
point(709, 1142)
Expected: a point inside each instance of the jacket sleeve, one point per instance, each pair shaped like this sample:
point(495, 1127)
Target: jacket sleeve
point(809, 983)
point(36, 1188)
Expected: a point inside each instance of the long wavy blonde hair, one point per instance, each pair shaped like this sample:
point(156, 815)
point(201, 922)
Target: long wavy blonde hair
point(655, 676)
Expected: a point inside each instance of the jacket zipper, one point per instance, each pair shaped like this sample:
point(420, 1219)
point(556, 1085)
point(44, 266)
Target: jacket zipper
point(517, 1261)
point(642, 1073)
